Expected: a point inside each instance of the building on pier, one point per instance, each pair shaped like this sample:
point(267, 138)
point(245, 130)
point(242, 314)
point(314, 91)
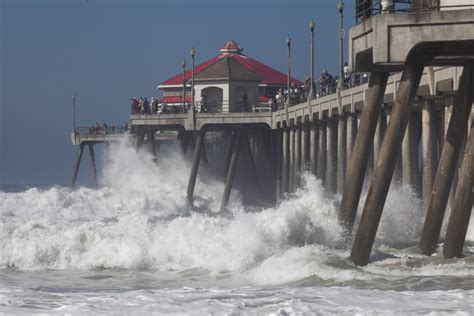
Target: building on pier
point(223, 79)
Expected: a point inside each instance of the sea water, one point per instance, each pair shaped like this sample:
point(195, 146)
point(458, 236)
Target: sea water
point(135, 247)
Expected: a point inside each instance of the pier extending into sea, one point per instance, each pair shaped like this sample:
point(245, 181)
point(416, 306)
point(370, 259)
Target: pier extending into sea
point(419, 96)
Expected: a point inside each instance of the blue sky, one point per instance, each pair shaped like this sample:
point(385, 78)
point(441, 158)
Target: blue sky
point(107, 51)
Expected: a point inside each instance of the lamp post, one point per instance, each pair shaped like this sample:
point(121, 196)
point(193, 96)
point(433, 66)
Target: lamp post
point(183, 64)
point(288, 43)
point(74, 112)
point(312, 24)
point(340, 8)
point(193, 53)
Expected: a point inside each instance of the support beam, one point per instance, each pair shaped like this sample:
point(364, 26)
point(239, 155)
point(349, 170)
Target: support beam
point(233, 139)
point(379, 134)
point(297, 172)
point(408, 172)
point(279, 163)
point(341, 152)
point(291, 182)
point(429, 131)
point(331, 160)
point(151, 140)
point(94, 170)
point(363, 143)
point(251, 158)
point(462, 206)
point(351, 135)
point(313, 149)
point(322, 152)
point(140, 138)
point(195, 165)
point(229, 179)
point(286, 161)
point(447, 163)
point(77, 164)
point(304, 166)
point(184, 140)
point(383, 171)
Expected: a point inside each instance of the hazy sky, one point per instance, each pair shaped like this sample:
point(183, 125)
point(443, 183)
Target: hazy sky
point(107, 51)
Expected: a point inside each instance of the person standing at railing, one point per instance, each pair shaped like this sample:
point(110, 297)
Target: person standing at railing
point(386, 6)
point(243, 102)
point(134, 105)
point(154, 105)
point(146, 105)
point(271, 104)
point(347, 76)
point(203, 104)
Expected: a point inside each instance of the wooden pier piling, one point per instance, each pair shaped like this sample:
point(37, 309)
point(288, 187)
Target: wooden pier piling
point(195, 165)
point(229, 179)
point(362, 145)
point(94, 169)
point(76, 165)
point(462, 206)
point(385, 165)
point(447, 164)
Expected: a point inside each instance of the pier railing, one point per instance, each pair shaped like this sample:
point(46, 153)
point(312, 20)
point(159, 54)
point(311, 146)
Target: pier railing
point(365, 9)
point(100, 130)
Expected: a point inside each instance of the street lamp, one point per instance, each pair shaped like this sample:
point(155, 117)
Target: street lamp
point(312, 25)
point(74, 112)
point(193, 53)
point(183, 64)
point(340, 8)
point(288, 43)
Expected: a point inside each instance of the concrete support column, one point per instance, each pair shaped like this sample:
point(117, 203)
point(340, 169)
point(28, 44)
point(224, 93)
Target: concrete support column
point(383, 171)
point(429, 150)
point(251, 160)
point(291, 182)
point(151, 141)
point(304, 149)
point(462, 205)
point(322, 151)
point(94, 170)
point(229, 179)
point(77, 164)
point(139, 140)
point(195, 165)
point(379, 134)
point(298, 157)
point(408, 168)
point(286, 161)
point(233, 139)
point(279, 164)
point(351, 135)
point(313, 149)
point(331, 160)
point(447, 163)
point(363, 143)
point(341, 152)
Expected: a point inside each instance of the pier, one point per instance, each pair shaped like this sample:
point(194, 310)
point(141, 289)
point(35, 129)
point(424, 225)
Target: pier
point(411, 122)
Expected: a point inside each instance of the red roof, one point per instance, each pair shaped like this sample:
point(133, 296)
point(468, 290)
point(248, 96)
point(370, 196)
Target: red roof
point(174, 99)
point(270, 76)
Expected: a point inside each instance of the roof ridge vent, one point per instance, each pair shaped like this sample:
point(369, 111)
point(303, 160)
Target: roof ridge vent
point(232, 47)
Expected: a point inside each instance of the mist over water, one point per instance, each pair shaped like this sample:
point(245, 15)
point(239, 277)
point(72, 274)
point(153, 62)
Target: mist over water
point(136, 239)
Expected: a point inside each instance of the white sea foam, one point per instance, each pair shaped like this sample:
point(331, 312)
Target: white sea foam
point(140, 219)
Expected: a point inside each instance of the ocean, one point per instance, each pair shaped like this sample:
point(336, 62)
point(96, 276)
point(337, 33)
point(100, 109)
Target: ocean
point(134, 246)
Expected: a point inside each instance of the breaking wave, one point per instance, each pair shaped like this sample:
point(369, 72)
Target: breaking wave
point(140, 219)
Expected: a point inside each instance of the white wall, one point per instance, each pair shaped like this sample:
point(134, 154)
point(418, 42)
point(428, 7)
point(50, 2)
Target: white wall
point(199, 86)
point(456, 2)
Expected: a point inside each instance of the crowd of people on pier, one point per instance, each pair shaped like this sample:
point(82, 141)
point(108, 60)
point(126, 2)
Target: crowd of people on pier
point(326, 85)
point(104, 128)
